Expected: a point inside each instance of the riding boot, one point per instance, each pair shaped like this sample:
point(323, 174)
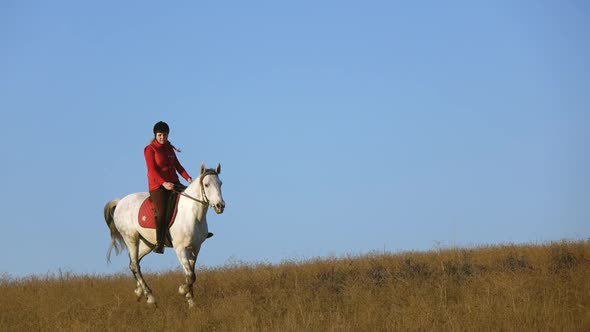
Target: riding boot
point(160, 236)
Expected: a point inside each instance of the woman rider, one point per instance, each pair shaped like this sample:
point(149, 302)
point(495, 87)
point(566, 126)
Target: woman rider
point(162, 166)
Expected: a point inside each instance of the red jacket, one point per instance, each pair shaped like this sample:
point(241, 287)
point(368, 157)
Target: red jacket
point(162, 165)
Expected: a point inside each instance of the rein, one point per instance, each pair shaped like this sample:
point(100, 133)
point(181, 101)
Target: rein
point(208, 172)
point(189, 196)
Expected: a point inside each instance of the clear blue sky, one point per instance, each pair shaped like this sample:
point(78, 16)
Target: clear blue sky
point(342, 127)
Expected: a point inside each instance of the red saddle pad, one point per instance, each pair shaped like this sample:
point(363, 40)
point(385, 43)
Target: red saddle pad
point(145, 217)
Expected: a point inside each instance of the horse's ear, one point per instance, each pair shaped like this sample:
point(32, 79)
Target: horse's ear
point(203, 168)
point(218, 169)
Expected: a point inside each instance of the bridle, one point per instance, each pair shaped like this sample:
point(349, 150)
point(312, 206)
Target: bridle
point(201, 177)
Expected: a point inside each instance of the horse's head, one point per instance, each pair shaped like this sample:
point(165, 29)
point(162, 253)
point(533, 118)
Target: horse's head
point(211, 187)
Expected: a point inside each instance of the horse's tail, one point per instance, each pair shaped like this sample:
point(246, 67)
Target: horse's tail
point(116, 238)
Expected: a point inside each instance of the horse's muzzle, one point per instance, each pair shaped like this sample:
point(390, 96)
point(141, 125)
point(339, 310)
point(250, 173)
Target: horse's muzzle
point(219, 207)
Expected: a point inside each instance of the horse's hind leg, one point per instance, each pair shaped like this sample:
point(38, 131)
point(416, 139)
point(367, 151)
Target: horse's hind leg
point(136, 253)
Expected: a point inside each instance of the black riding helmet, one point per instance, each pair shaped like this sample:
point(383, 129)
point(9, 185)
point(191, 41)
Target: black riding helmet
point(161, 127)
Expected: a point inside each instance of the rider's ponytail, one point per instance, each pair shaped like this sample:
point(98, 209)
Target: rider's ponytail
point(175, 148)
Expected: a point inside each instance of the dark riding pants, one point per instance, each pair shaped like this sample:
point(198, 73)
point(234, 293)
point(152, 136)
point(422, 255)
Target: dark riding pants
point(160, 198)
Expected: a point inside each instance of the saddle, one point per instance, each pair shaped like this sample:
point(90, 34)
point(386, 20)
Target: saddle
point(145, 217)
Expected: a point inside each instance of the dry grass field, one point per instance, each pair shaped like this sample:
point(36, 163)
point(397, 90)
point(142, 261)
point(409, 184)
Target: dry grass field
point(497, 288)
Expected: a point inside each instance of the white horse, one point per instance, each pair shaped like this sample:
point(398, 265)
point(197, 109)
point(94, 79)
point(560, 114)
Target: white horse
point(188, 232)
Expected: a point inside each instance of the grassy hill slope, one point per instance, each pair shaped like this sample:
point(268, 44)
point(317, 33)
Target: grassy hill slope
point(508, 287)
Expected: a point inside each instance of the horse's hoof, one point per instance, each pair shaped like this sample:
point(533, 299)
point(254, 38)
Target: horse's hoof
point(152, 300)
point(191, 303)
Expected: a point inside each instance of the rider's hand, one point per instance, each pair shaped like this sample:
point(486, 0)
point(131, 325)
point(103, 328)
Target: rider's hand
point(190, 180)
point(168, 185)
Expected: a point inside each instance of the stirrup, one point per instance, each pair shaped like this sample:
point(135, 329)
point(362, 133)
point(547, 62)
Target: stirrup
point(159, 248)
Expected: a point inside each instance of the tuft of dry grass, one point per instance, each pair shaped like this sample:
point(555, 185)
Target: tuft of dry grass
point(508, 287)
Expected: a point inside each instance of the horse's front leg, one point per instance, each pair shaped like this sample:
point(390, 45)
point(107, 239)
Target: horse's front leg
point(187, 258)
